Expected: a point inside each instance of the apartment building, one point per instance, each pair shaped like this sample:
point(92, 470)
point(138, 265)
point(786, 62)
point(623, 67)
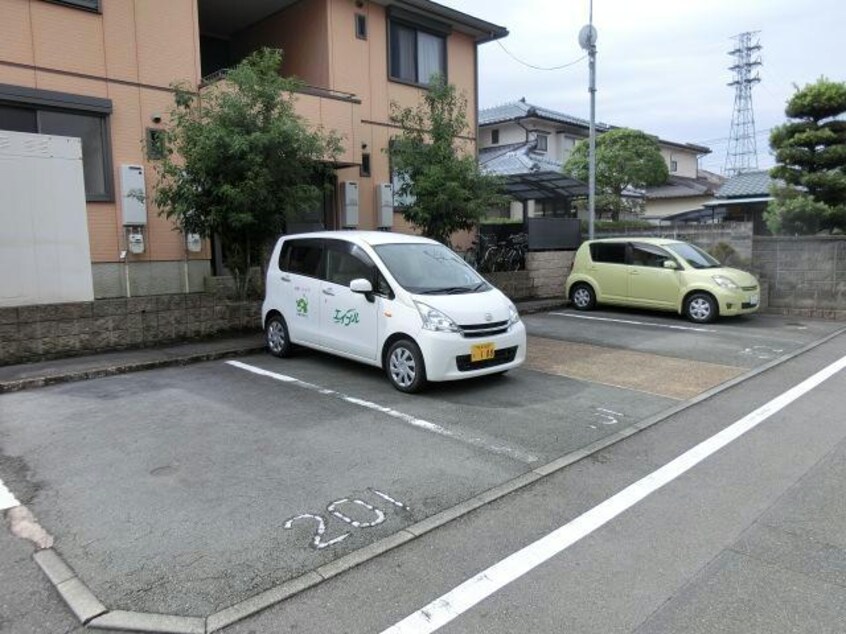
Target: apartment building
point(102, 70)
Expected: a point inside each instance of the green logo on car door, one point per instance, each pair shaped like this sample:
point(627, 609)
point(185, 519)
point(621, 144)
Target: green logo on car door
point(346, 317)
point(302, 306)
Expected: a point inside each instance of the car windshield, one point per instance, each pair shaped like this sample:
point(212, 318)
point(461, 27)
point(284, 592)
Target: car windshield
point(430, 269)
point(696, 257)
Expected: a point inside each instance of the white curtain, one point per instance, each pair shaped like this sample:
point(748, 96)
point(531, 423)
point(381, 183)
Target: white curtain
point(430, 56)
point(404, 53)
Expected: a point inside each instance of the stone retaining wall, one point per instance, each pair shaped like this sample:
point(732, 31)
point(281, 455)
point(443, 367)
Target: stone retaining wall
point(804, 276)
point(30, 333)
point(544, 276)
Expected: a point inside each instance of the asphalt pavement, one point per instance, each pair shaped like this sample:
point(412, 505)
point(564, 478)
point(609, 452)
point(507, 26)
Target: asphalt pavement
point(236, 480)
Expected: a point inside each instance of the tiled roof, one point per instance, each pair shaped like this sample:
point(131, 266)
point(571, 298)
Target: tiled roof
point(518, 158)
point(746, 185)
point(682, 187)
point(521, 109)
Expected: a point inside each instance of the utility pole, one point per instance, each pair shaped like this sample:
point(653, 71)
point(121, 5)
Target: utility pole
point(587, 40)
point(742, 152)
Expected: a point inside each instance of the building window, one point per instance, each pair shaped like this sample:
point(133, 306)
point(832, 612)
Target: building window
point(365, 165)
point(415, 55)
point(543, 142)
point(674, 165)
point(89, 5)
point(361, 26)
point(155, 143)
point(91, 127)
point(495, 136)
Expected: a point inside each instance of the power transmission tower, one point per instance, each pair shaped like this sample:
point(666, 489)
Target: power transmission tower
point(742, 152)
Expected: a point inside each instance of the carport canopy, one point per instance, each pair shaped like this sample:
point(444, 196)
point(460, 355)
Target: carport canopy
point(543, 185)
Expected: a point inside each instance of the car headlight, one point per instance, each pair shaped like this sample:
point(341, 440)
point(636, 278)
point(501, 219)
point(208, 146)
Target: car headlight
point(435, 320)
point(724, 282)
point(513, 315)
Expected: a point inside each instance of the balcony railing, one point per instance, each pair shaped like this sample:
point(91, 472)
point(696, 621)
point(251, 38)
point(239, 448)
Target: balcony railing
point(331, 110)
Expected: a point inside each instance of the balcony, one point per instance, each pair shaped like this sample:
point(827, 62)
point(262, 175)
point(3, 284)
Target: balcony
point(330, 110)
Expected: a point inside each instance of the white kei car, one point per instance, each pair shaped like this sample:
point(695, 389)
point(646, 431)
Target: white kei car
point(404, 303)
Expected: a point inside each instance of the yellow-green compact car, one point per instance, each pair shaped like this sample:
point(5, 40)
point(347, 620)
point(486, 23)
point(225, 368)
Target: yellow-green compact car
point(661, 274)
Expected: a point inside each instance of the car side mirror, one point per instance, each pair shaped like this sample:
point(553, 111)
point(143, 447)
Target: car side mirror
point(671, 264)
point(363, 286)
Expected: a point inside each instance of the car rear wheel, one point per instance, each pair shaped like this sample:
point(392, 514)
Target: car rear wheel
point(276, 336)
point(583, 297)
point(405, 367)
point(701, 308)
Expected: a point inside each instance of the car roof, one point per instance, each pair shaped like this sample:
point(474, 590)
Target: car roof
point(371, 238)
point(642, 239)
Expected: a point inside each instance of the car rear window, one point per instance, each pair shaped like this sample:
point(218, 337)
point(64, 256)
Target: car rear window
point(302, 257)
point(613, 252)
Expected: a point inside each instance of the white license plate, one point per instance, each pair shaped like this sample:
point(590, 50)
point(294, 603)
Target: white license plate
point(753, 299)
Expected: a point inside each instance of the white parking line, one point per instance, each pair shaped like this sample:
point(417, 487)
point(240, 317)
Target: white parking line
point(635, 323)
point(7, 500)
point(463, 597)
point(497, 448)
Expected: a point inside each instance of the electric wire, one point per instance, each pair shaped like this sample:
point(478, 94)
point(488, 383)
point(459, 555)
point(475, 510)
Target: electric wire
point(544, 68)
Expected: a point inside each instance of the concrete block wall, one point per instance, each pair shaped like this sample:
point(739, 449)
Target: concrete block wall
point(543, 278)
point(738, 235)
point(32, 333)
point(804, 275)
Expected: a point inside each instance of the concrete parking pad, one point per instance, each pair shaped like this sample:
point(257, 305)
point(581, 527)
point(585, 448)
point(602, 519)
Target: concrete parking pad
point(655, 374)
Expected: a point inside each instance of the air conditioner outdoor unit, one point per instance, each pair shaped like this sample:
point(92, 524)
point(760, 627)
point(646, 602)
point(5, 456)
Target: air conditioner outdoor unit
point(385, 205)
point(349, 204)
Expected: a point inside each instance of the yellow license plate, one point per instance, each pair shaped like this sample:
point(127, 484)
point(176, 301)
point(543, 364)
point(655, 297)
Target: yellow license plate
point(482, 352)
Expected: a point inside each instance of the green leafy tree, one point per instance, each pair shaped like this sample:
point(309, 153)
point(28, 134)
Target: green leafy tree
point(810, 151)
point(443, 189)
point(239, 162)
point(624, 158)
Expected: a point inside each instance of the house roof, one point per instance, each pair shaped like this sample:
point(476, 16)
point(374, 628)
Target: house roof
point(521, 109)
point(747, 185)
point(517, 158)
point(684, 187)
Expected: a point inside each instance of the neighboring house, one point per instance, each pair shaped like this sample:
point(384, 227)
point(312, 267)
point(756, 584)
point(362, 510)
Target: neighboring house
point(519, 132)
point(680, 194)
point(744, 198)
point(102, 70)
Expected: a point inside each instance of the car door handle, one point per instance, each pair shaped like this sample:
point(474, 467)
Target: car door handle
point(633, 273)
point(328, 291)
point(285, 278)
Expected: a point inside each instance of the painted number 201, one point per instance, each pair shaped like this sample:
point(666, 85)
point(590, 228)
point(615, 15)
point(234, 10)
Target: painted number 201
point(335, 509)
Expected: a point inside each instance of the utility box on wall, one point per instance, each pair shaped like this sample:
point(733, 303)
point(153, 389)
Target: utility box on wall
point(349, 204)
point(384, 205)
point(44, 250)
point(133, 195)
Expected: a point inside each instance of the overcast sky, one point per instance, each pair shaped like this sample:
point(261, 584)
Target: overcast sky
point(662, 64)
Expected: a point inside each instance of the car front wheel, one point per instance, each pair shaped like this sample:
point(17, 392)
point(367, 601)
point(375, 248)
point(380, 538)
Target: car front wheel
point(404, 366)
point(701, 308)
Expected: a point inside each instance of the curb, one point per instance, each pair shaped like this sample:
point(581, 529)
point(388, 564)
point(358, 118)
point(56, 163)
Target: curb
point(92, 613)
point(96, 373)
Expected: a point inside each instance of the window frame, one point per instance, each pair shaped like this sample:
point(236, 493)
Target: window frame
point(360, 24)
point(92, 6)
point(674, 166)
point(39, 100)
point(495, 136)
point(365, 167)
point(545, 137)
point(417, 24)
